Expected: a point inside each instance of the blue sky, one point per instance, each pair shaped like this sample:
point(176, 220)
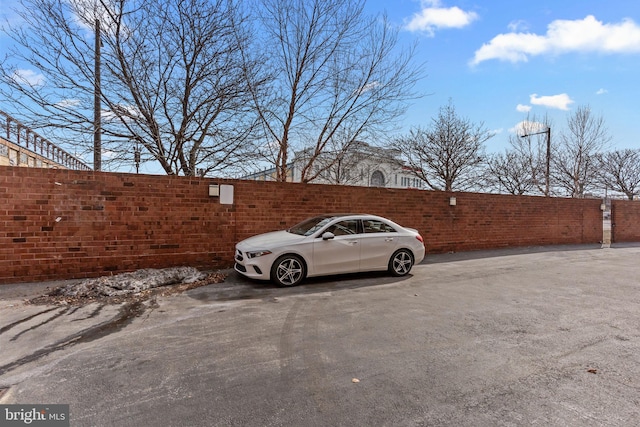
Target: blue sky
point(499, 60)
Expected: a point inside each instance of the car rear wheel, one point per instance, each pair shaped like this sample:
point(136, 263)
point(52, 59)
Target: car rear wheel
point(288, 270)
point(401, 262)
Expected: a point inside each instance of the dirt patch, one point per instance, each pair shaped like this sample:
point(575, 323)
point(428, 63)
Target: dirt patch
point(136, 286)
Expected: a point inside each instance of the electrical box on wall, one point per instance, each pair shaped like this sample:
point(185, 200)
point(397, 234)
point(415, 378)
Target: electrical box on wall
point(223, 191)
point(226, 194)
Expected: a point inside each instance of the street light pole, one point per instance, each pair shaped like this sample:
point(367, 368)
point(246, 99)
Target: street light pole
point(548, 171)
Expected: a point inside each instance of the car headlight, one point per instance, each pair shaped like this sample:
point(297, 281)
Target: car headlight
point(256, 254)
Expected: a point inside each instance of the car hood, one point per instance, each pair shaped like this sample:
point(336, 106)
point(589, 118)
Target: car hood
point(270, 240)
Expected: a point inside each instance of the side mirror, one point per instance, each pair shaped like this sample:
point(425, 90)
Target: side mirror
point(328, 236)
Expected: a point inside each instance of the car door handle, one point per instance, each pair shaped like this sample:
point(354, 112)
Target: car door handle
point(388, 239)
point(353, 242)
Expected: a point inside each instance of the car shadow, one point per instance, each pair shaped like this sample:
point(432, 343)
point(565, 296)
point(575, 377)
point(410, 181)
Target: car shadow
point(238, 287)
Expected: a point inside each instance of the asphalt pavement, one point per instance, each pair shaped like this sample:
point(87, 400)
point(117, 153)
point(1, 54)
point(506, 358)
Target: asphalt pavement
point(532, 336)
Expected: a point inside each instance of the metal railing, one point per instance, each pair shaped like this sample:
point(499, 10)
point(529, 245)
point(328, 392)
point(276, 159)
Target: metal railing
point(22, 136)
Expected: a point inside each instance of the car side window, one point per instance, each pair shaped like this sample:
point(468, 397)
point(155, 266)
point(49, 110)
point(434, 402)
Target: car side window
point(376, 226)
point(344, 228)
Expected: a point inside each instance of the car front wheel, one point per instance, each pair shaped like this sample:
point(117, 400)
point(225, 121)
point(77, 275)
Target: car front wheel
point(288, 270)
point(400, 263)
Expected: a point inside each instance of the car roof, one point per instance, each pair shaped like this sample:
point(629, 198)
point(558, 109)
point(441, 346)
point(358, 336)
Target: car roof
point(340, 215)
point(351, 215)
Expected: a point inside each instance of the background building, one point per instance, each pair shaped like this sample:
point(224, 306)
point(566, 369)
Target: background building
point(20, 146)
point(364, 166)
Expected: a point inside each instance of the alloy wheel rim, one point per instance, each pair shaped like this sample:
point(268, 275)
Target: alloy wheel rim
point(289, 271)
point(402, 262)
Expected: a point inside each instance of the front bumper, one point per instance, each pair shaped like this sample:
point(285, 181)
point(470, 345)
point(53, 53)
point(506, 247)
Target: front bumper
point(255, 268)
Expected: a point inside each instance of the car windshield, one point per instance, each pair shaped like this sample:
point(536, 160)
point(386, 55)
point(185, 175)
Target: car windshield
point(310, 226)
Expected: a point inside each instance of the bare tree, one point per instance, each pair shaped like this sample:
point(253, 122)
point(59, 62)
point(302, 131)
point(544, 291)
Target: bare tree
point(620, 171)
point(448, 156)
point(574, 163)
point(172, 86)
point(509, 172)
point(337, 78)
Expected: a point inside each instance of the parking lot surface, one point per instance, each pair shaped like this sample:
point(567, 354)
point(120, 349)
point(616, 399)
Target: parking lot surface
point(547, 336)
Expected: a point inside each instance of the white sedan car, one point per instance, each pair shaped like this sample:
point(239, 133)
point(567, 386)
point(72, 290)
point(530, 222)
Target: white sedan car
point(330, 244)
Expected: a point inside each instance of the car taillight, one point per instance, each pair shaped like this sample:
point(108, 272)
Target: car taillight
point(419, 237)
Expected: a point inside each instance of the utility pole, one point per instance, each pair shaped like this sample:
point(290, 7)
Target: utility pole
point(548, 165)
point(548, 160)
point(97, 131)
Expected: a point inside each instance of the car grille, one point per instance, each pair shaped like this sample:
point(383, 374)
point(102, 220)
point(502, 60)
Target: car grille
point(241, 268)
point(239, 256)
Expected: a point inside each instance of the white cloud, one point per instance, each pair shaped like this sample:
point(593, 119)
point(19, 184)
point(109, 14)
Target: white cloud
point(434, 16)
point(563, 36)
point(523, 108)
point(527, 127)
point(68, 103)
point(28, 77)
point(85, 13)
point(518, 26)
point(109, 154)
point(601, 91)
point(122, 111)
point(561, 101)
point(366, 88)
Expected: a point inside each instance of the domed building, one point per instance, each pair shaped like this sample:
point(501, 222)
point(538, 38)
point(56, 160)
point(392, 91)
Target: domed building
point(364, 165)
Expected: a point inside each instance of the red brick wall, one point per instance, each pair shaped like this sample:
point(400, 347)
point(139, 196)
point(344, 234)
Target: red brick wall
point(58, 224)
point(625, 221)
